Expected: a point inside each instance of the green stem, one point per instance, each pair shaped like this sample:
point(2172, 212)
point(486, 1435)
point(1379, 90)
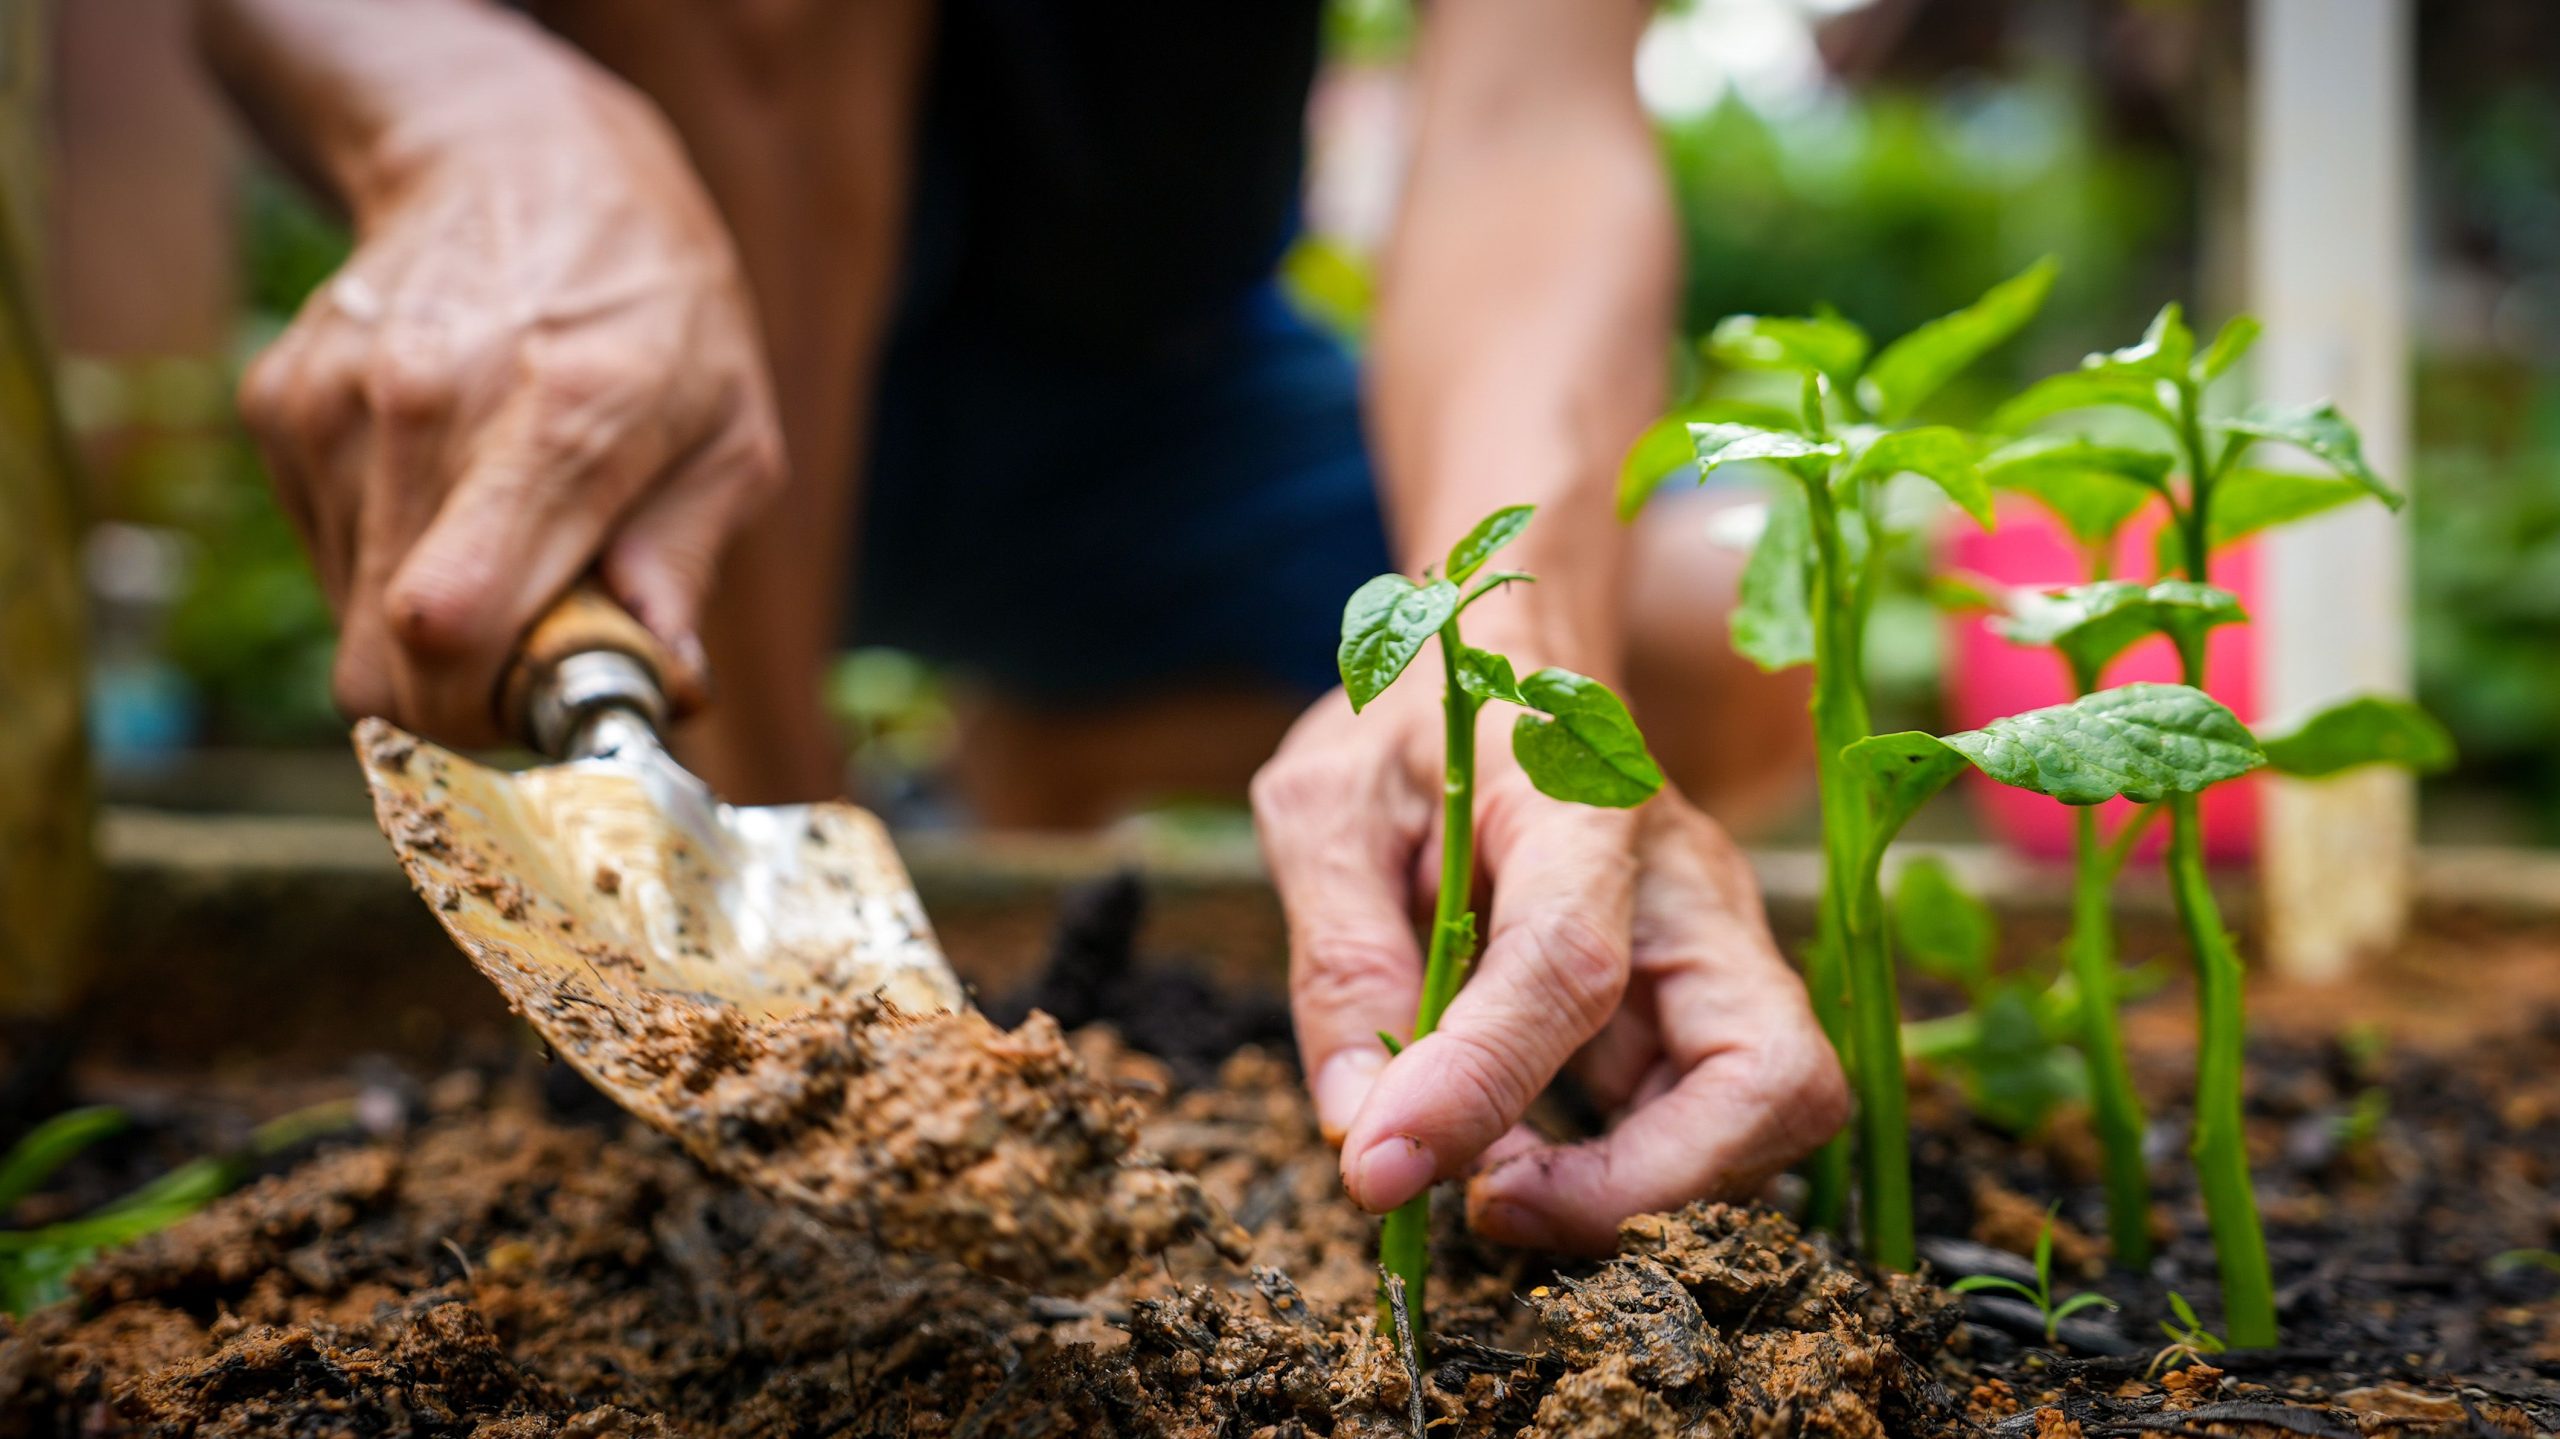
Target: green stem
point(2221, 1142)
point(1851, 972)
point(2115, 1107)
point(2220, 1146)
point(1404, 1241)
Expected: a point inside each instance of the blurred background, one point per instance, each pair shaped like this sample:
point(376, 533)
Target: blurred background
point(1892, 158)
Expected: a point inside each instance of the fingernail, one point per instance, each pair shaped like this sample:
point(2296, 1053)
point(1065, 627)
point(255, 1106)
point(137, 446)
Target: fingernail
point(1392, 1171)
point(1340, 1086)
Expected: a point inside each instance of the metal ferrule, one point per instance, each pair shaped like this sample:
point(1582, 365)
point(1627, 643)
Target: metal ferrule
point(589, 703)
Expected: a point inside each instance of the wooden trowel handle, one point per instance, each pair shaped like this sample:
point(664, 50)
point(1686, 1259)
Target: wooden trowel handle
point(547, 665)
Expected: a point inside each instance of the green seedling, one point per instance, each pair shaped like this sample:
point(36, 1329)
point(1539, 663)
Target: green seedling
point(36, 1264)
point(2092, 490)
point(2189, 1340)
point(2515, 1259)
point(2009, 1045)
point(1574, 740)
point(2041, 1296)
point(1807, 594)
point(2213, 496)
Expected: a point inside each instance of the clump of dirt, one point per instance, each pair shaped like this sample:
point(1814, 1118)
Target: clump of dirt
point(500, 1273)
point(932, 1132)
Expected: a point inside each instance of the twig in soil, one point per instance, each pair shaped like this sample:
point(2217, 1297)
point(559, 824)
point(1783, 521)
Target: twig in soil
point(1281, 1293)
point(459, 1258)
point(2292, 1418)
point(1405, 1350)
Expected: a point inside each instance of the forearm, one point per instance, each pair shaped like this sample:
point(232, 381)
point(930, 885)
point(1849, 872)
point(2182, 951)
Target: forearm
point(357, 96)
point(1528, 298)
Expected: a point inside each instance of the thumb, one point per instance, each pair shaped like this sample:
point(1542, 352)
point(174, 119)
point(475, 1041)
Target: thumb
point(1555, 966)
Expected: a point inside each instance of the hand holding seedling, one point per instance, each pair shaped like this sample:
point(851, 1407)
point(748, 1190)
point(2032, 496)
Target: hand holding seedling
point(1626, 943)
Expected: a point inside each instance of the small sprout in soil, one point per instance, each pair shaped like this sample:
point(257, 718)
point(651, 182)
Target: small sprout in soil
point(2041, 1296)
point(2189, 1340)
point(1574, 739)
point(2009, 1046)
point(36, 1264)
point(2515, 1259)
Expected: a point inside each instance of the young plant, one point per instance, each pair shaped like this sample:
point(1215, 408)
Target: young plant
point(2189, 1340)
point(36, 1264)
point(2041, 1296)
point(1575, 742)
point(1807, 593)
point(2087, 487)
point(2010, 1044)
point(2213, 498)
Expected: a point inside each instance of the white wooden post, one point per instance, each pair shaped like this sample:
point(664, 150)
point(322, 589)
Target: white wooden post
point(2331, 119)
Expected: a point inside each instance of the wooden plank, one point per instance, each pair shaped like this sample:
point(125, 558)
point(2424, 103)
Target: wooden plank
point(2331, 117)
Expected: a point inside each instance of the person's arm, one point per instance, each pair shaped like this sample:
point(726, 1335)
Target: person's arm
point(1527, 301)
point(539, 359)
point(1526, 312)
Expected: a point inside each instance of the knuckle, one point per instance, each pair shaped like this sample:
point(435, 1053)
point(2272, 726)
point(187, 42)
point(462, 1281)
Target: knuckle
point(404, 389)
point(1344, 969)
point(1490, 1085)
point(1578, 968)
point(1287, 788)
point(437, 609)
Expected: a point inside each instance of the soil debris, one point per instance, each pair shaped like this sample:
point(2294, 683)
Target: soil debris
point(501, 1273)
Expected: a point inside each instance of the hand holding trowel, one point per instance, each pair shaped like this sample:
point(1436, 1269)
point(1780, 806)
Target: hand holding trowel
point(760, 983)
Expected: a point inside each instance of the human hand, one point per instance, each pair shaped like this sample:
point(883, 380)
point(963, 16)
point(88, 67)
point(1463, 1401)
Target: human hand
point(540, 360)
point(1628, 944)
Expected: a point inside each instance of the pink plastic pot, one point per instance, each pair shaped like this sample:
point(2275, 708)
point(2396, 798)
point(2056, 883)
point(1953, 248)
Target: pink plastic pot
point(1988, 677)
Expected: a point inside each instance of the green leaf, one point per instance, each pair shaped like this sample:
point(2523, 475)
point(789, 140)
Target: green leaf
point(1772, 623)
point(2163, 353)
point(2229, 344)
point(2078, 1302)
point(1979, 1283)
point(1897, 773)
point(2140, 741)
point(48, 1146)
point(1916, 366)
point(1937, 453)
point(2081, 390)
point(1941, 929)
point(1723, 444)
point(1825, 344)
point(1490, 534)
point(2044, 1248)
point(1395, 1047)
point(1384, 626)
point(2091, 624)
point(2370, 729)
point(1582, 746)
point(2320, 431)
point(1487, 676)
point(2092, 489)
point(1665, 445)
point(2246, 501)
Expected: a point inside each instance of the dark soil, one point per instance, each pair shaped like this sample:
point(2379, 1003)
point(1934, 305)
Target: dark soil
point(509, 1266)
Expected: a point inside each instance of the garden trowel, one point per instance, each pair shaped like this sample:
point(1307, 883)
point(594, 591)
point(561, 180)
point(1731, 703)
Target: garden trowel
point(615, 874)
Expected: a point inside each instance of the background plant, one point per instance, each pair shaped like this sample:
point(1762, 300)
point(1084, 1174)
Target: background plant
point(1575, 741)
point(36, 1264)
point(2213, 497)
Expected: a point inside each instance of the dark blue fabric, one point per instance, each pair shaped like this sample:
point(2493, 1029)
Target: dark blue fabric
point(1081, 531)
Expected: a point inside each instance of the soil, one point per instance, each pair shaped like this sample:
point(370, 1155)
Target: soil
point(517, 1260)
